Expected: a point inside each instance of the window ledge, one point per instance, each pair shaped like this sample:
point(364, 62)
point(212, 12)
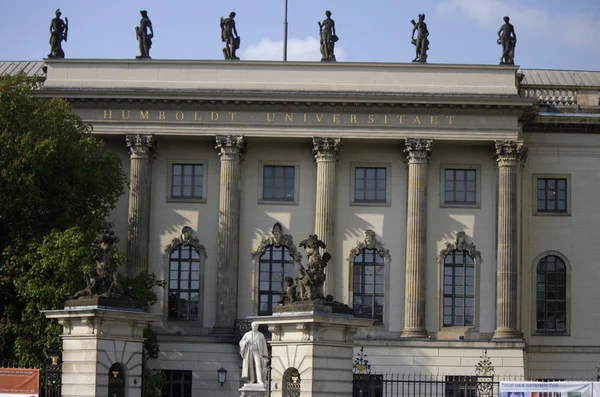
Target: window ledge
point(371, 204)
point(550, 333)
point(548, 213)
point(459, 205)
point(186, 200)
point(278, 202)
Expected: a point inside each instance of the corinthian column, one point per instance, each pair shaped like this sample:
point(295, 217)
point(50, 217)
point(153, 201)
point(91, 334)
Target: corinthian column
point(509, 156)
point(141, 148)
point(417, 155)
point(326, 151)
point(231, 150)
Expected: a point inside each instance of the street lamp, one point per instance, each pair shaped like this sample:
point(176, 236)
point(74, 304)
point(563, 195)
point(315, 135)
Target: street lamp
point(222, 375)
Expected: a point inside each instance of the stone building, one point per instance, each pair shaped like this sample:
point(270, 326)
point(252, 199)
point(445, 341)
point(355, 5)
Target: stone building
point(458, 202)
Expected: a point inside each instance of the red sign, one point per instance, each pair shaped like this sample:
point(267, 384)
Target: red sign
point(19, 382)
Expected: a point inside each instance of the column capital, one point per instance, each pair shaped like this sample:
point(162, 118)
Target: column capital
point(326, 149)
point(417, 150)
point(231, 147)
point(140, 146)
point(510, 154)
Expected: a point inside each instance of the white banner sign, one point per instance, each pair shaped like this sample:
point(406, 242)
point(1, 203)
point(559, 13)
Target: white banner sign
point(546, 389)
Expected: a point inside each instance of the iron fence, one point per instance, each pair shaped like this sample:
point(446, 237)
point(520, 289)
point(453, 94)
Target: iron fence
point(50, 375)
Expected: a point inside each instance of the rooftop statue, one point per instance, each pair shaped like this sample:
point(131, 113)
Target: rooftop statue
point(508, 39)
point(230, 37)
point(58, 33)
point(328, 37)
point(144, 34)
point(422, 41)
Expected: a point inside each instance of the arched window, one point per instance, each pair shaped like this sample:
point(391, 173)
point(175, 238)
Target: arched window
point(368, 260)
point(291, 383)
point(551, 295)
point(186, 277)
point(276, 256)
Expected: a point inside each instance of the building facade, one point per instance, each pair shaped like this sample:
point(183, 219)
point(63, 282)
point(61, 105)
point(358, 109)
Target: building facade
point(458, 203)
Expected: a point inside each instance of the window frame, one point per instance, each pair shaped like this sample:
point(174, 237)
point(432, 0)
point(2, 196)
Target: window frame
point(169, 374)
point(465, 167)
point(549, 333)
point(536, 177)
point(388, 188)
point(464, 296)
point(170, 164)
point(374, 264)
point(277, 163)
point(189, 290)
point(270, 292)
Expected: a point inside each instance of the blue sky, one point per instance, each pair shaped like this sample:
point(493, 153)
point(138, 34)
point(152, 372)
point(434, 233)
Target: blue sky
point(552, 34)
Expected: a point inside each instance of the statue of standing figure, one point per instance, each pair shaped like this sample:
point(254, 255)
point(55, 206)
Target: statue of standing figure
point(328, 38)
point(144, 34)
point(230, 37)
point(255, 355)
point(59, 30)
point(422, 41)
point(508, 39)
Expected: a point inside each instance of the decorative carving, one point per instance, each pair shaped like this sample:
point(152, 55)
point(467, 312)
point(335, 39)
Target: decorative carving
point(484, 367)
point(275, 331)
point(277, 239)
point(231, 147)
point(187, 237)
point(510, 154)
point(59, 31)
point(507, 38)
point(328, 38)
point(461, 243)
point(230, 37)
point(326, 148)
point(313, 275)
point(361, 363)
point(369, 242)
point(417, 150)
point(422, 41)
point(144, 34)
point(140, 146)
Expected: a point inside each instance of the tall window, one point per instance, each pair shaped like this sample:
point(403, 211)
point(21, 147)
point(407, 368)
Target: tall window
point(369, 273)
point(278, 182)
point(551, 295)
point(459, 289)
point(184, 283)
point(460, 186)
point(552, 195)
point(370, 184)
point(274, 266)
point(179, 384)
point(187, 181)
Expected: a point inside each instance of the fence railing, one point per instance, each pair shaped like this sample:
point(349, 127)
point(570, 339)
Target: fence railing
point(50, 375)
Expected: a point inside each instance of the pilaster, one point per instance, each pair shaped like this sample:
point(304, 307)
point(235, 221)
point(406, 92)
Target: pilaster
point(509, 156)
point(141, 149)
point(231, 150)
point(417, 155)
point(326, 151)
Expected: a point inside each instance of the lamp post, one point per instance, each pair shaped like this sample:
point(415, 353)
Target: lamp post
point(222, 375)
point(285, 32)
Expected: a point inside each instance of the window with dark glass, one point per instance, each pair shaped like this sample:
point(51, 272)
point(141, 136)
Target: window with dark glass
point(187, 181)
point(460, 386)
point(184, 283)
point(552, 195)
point(551, 295)
point(278, 182)
point(369, 274)
point(370, 184)
point(274, 266)
point(459, 289)
point(179, 384)
point(460, 186)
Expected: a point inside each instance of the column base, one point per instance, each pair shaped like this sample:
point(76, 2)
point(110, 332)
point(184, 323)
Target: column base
point(503, 334)
point(414, 333)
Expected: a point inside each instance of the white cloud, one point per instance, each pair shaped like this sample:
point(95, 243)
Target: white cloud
point(574, 29)
point(297, 50)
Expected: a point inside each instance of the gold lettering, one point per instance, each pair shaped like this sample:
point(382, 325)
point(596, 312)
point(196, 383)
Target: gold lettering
point(289, 117)
point(385, 119)
point(450, 118)
point(353, 119)
point(179, 115)
point(305, 117)
point(433, 120)
point(108, 114)
point(401, 118)
point(371, 119)
point(123, 117)
point(319, 117)
point(417, 120)
point(270, 117)
point(196, 118)
point(162, 115)
point(214, 116)
point(232, 114)
point(143, 115)
point(336, 118)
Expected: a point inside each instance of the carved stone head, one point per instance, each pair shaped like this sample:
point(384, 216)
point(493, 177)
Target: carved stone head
point(277, 233)
point(461, 241)
point(369, 238)
point(186, 233)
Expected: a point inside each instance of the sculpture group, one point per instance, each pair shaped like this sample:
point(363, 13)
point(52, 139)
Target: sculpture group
point(327, 38)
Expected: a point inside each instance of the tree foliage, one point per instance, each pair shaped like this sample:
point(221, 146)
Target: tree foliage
point(58, 184)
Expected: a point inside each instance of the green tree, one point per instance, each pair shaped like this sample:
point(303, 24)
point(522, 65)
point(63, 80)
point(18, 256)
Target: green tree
point(59, 184)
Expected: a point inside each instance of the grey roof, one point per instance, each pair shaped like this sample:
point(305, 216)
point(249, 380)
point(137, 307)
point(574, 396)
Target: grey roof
point(30, 68)
point(560, 78)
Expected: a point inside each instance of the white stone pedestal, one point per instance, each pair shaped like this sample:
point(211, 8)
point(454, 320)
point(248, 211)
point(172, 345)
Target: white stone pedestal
point(253, 390)
point(319, 345)
point(94, 338)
